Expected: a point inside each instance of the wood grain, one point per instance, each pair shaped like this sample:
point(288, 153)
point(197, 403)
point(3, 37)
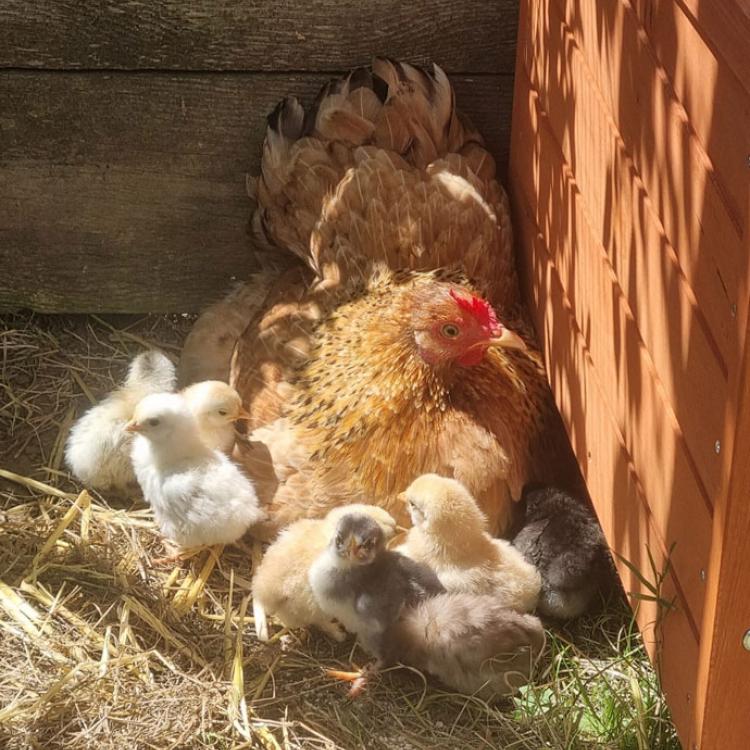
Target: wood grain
point(702, 220)
point(686, 356)
point(613, 482)
point(632, 208)
point(253, 35)
point(629, 382)
point(126, 192)
point(725, 664)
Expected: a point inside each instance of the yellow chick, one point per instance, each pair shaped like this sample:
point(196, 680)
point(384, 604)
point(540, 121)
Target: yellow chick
point(280, 585)
point(450, 535)
point(216, 407)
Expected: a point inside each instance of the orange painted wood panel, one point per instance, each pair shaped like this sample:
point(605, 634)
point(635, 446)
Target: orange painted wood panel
point(629, 379)
point(714, 98)
point(724, 669)
point(611, 477)
point(676, 333)
point(725, 24)
point(631, 188)
point(674, 166)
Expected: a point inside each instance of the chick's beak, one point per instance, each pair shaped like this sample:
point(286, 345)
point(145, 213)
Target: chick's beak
point(353, 550)
point(243, 414)
point(132, 426)
point(509, 340)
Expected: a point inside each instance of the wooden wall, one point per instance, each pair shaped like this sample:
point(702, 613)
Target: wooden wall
point(126, 129)
point(630, 177)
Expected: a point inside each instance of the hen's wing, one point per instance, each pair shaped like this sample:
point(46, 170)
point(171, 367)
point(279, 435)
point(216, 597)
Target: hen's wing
point(208, 347)
point(384, 168)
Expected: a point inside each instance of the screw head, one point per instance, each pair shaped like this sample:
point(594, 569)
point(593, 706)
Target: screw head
point(733, 310)
point(717, 447)
point(703, 574)
point(746, 640)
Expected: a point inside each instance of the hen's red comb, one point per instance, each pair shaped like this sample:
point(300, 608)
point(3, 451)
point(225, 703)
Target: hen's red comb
point(479, 308)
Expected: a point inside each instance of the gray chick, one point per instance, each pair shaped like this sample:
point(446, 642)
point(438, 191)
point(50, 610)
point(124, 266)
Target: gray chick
point(366, 586)
point(561, 536)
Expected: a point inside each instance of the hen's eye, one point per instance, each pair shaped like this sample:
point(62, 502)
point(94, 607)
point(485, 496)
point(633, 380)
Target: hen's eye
point(450, 331)
point(153, 422)
point(339, 540)
point(223, 412)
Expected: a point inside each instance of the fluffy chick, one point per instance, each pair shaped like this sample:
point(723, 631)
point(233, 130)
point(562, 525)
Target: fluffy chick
point(216, 407)
point(470, 642)
point(98, 447)
point(280, 584)
point(563, 539)
point(364, 585)
point(449, 534)
point(198, 495)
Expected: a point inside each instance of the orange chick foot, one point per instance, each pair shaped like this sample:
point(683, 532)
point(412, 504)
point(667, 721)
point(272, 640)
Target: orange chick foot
point(357, 679)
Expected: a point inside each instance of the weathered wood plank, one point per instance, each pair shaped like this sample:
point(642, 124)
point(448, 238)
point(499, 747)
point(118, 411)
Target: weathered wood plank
point(629, 380)
point(125, 192)
point(474, 36)
point(610, 474)
point(627, 226)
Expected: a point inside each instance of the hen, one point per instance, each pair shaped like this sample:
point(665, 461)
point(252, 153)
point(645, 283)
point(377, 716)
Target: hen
point(399, 347)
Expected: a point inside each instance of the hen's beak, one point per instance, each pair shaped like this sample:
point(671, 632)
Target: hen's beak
point(132, 426)
point(509, 340)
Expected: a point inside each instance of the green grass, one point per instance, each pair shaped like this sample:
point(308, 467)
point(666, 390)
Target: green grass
point(598, 689)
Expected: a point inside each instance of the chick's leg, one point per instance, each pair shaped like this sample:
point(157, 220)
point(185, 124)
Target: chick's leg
point(359, 680)
point(179, 556)
point(333, 629)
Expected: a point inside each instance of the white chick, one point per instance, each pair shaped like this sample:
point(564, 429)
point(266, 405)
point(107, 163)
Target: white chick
point(449, 534)
point(98, 447)
point(280, 584)
point(198, 495)
point(216, 406)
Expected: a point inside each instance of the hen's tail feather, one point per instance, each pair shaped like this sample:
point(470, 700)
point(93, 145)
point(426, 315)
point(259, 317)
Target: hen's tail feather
point(394, 106)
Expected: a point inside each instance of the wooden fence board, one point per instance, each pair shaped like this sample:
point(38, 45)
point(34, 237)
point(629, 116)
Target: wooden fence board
point(125, 192)
point(678, 336)
point(611, 476)
point(674, 167)
point(254, 35)
point(628, 378)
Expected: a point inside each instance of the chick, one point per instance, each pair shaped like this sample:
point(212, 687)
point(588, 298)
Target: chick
point(98, 447)
point(216, 407)
point(449, 534)
point(198, 495)
point(563, 539)
point(470, 642)
point(280, 584)
point(364, 585)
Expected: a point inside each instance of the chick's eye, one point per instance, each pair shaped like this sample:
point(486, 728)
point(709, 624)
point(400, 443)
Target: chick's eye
point(339, 540)
point(450, 331)
point(153, 422)
point(223, 412)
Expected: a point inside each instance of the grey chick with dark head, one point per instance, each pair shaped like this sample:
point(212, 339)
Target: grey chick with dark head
point(562, 538)
point(366, 586)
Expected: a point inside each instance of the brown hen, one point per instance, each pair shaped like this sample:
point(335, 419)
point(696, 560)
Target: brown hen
point(381, 359)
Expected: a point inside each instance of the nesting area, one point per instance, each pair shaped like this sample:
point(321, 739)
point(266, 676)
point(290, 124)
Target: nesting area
point(102, 647)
